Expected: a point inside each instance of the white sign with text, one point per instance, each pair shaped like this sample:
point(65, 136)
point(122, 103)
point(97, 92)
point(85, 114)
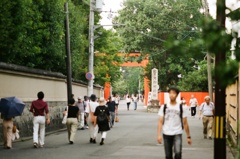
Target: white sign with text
point(155, 86)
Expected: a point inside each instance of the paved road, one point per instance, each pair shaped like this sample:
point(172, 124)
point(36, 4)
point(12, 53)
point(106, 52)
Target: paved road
point(134, 137)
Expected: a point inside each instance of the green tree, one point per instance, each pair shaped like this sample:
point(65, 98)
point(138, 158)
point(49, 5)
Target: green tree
point(129, 81)
point(108, 61)
point(195, 80)
point(149, 25)
point(119, 86)
point(34, 34)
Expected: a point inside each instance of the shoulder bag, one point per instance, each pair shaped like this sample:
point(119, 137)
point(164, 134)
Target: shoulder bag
point(91, 114)
point(64, 121)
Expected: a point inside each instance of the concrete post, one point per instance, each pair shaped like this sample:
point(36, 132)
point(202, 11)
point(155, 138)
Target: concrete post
point(91, 47)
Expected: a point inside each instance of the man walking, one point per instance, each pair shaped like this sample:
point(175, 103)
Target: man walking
point(80, 105)
point(135, 100)
point(39, 108)
point(193, 104)
point(171, 123)
point(112, 108)
point(207, 113)
point(85, 104)
point(90, 109)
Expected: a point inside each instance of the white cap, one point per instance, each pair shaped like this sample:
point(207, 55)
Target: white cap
point(207, 97)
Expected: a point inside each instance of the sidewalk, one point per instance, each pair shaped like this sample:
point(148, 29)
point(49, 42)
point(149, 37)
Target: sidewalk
point(134, 137)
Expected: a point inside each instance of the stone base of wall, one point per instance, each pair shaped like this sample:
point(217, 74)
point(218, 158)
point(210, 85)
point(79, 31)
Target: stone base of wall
point(25, 122)
point(154, 106)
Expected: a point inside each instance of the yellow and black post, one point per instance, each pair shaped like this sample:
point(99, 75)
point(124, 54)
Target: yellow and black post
point(219, 127)
point(220, 101)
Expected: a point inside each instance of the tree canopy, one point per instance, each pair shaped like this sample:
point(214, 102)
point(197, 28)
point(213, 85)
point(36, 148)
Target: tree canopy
point(33, 35)
point(149, 26)
point(168, 31)
point(128, 82)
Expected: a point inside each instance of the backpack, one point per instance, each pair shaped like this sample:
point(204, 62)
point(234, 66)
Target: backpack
point(181, 112)
point(102, 116)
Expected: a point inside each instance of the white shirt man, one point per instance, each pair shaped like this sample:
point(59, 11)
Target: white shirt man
point(171, 124)
point(90, 109)
point(172, 121)
point(193, 104)
point(80, 105)
point(207, 108)
point(207, 112)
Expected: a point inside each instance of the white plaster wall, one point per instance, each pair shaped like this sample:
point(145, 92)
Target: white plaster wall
point(26, 86)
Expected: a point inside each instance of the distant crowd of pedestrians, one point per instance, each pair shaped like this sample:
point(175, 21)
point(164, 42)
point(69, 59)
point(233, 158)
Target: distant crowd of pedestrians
point(133, 99)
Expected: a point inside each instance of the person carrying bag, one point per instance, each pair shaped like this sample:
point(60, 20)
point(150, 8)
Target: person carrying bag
point(65, 114)
point(91, 119)
point(91, 114)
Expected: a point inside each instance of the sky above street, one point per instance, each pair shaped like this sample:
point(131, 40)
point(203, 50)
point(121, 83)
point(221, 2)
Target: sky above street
point(114, 6)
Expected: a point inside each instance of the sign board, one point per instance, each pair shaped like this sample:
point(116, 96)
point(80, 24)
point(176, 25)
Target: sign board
point(154, 86)
point(149, 98)
point(89, 76)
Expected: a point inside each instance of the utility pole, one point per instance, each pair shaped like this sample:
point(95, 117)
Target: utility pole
point(220, 102)
point(209, 64)
point(95, 5)
point(209, 68)
point(68, 52)
point(91, 47)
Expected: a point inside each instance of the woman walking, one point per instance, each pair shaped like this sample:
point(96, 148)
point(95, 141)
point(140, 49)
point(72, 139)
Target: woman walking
point(102, 114)
point(184, 104)
point(7, 132)
point(91, 119)
point(40, 111)
point(72, 120)
point(128, 100)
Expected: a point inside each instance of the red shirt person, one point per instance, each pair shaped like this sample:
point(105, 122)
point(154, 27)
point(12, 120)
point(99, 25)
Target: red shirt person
point(39, 108)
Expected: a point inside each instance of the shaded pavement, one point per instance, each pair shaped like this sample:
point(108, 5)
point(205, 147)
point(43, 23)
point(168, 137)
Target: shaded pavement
point(134, 137)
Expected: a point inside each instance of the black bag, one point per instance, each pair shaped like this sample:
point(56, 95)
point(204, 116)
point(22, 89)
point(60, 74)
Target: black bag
point(102, 117)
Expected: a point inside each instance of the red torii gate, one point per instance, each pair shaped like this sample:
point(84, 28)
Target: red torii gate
point(143, 63)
